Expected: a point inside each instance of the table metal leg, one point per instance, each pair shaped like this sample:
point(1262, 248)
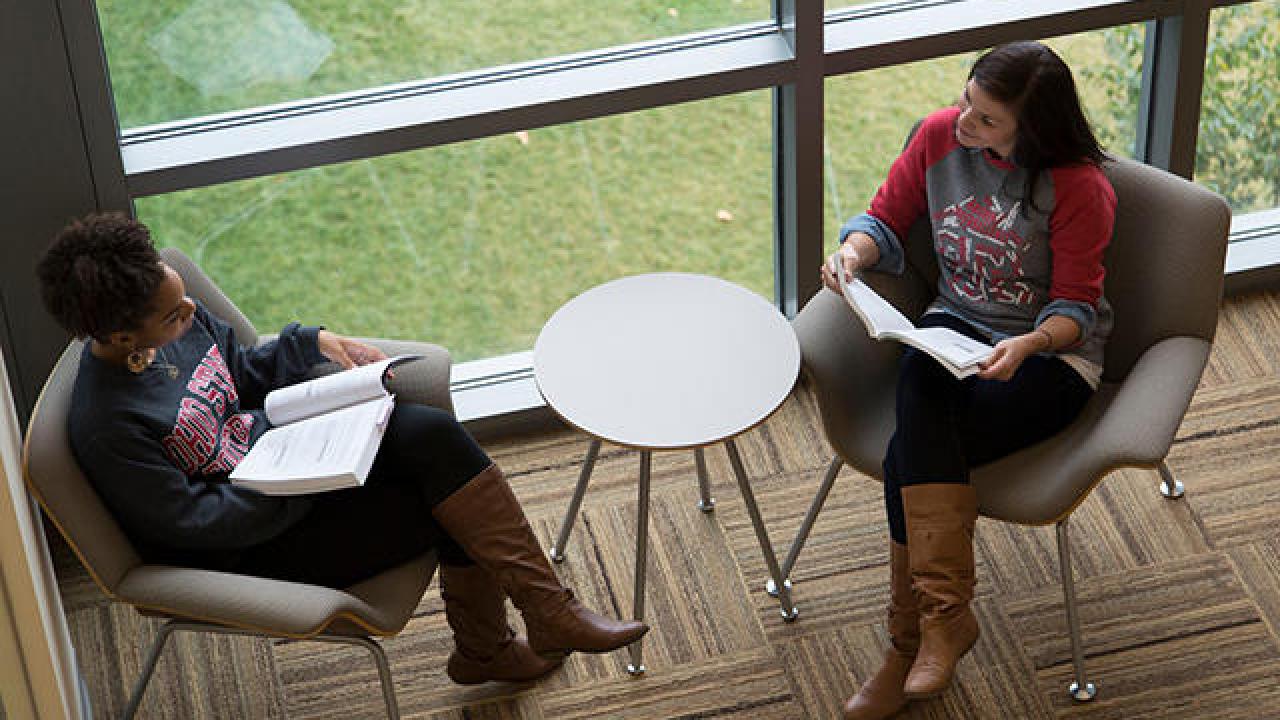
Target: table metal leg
point(806, 526)
point(557, 550)
point(706, 503)
point(636, 666)
point(789, 611)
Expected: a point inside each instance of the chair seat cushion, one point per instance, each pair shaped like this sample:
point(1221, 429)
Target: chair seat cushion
point(1124, 424)
point(380, 605)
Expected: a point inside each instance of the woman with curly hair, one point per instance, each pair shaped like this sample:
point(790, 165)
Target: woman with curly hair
point(166, 402)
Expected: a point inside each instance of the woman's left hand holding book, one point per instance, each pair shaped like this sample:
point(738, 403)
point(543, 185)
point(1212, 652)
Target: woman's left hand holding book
point(346, 351)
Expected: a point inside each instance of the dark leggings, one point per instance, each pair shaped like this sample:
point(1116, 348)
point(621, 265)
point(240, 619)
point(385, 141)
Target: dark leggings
point(350, 535)
point(948, 426)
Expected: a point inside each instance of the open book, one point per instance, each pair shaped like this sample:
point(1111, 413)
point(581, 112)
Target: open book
point(327, 432)
point(958, 353)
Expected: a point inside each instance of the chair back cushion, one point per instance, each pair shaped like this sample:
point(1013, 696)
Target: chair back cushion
point(1165, 262)
point(55, 478)
point(202, 288)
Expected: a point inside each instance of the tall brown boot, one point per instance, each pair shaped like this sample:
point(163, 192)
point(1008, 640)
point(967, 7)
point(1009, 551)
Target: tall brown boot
point(486, 519)
point(881, 696)
point(485, 646)
point(940, 520)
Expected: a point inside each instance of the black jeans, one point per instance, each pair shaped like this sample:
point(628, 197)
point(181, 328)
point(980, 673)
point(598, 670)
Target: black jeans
point(353, 534)
point(947, 426)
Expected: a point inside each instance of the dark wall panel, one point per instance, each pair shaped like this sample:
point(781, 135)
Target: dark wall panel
point(45, 180)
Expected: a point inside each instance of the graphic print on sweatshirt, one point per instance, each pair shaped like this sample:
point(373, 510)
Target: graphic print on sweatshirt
point(209, 437)
point(982, 250)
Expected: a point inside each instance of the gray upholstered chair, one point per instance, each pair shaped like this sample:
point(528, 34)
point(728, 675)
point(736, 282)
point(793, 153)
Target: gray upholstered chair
point(207, 601)
point(1164, 280)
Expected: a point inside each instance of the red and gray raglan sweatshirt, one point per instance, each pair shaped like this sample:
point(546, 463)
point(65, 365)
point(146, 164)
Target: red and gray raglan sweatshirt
point(1005, 264)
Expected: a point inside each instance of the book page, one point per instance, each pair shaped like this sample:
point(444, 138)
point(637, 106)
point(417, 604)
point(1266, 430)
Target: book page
point(882, 319)
point(320, 395)
point(878, 314)
point(958, 349)
point(321, 448)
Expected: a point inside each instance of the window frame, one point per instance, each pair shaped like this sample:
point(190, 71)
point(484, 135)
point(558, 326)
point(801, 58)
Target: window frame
point(793, 55)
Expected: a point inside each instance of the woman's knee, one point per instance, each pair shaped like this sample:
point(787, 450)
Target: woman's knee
point(420, 439)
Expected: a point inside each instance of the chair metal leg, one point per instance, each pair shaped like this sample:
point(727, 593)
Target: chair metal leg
point(557, 550)
point(636, 666)
point(788, 610)
point(706, 503)
point(148, 667)
point(375, 648)
point(379, 659)
point(1170, 486)
point(802, 535)
point(1081, 690)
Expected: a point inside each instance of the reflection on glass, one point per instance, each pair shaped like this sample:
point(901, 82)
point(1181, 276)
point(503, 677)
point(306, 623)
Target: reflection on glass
point(869, 114)
point(176, 59)
point(474, 245)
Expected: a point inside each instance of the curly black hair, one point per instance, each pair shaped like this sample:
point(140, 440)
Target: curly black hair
point(99, 275)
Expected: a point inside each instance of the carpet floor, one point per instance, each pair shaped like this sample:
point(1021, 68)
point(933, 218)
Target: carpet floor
point(1179, 599)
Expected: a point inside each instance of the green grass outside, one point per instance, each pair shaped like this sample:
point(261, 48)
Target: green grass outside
point(474, 245)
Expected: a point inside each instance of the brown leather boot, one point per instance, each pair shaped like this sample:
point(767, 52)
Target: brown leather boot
point(485, 646)
point(881, 696)
point(940, 520)
point(486, 519)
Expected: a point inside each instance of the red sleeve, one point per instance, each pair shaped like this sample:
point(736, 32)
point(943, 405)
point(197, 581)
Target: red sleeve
point(902, 199)
point(1080, 226)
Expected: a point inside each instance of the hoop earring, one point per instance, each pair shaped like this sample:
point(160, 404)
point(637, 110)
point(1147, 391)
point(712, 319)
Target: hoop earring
point(137, 362)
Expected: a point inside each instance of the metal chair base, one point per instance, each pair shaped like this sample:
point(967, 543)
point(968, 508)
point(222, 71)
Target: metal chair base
point(1170, 486)
point(1082, 694)
point(1081, 689)
point(148, 667)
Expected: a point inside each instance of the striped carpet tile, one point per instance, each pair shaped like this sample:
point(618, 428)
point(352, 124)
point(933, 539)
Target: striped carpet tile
point(1179, 599)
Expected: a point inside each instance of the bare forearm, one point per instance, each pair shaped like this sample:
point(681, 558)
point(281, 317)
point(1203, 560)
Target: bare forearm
point(1055, 333)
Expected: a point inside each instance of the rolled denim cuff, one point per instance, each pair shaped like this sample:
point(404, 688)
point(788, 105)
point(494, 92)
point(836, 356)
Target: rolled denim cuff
point(891, 259)
point(1085, 315)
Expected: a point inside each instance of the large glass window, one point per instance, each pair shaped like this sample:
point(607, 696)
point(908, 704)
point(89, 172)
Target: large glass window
point(1238, 149)
point(177, 59)
point(870, 113)
point(474, 245)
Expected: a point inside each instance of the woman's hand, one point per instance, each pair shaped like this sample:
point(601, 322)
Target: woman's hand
point(848, 256)
point(347, 352)
point(1009, 354)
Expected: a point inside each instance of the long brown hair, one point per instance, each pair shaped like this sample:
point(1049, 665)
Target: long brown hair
point(1037, 86)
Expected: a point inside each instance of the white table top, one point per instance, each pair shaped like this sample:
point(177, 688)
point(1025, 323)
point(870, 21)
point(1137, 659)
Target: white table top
point(666, 360)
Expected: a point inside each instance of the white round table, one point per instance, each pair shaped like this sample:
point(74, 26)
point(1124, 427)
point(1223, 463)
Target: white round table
point(667, 361)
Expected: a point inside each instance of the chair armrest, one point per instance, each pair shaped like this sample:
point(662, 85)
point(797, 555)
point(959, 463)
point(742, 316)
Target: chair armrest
point(1142, 419)
point(854, 377)
point(1132, 423)
point(424, 381)
point(381, 605)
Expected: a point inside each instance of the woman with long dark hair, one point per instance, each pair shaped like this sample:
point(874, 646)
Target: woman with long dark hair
point(1020, 213)
point(166, 402)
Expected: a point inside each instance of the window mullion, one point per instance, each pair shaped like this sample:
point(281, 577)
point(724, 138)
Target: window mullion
point(1172, 79)
point(798, 147)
